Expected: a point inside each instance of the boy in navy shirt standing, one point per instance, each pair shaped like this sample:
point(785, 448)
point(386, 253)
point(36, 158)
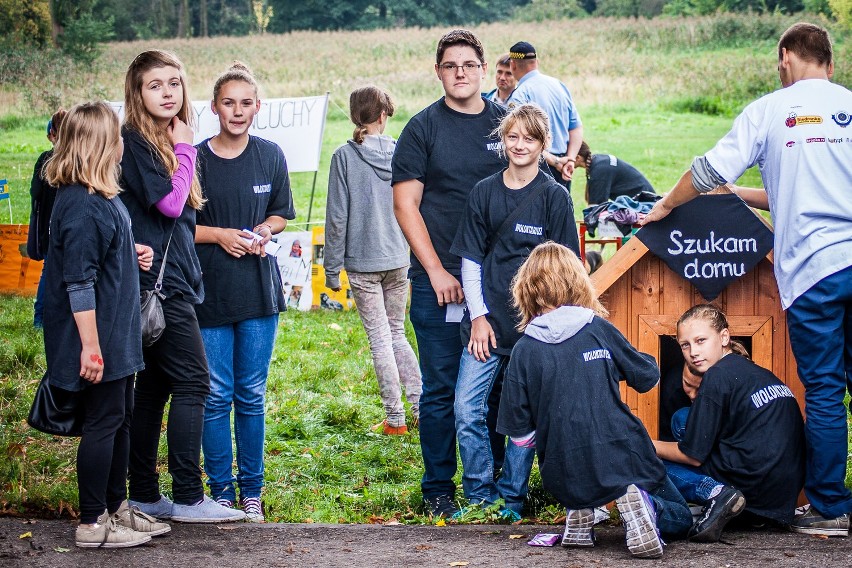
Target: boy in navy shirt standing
point(442, 153)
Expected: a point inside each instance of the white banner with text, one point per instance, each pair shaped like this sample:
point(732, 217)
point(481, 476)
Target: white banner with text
point(295, 124)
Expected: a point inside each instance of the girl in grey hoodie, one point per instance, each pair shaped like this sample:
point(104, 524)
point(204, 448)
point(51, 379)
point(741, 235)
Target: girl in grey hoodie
point(362, 236)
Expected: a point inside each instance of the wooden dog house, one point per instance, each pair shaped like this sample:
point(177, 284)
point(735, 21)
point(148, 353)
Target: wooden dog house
point(645, 298)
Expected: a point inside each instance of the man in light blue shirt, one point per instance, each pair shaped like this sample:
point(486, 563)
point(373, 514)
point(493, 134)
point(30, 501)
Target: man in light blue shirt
point(553, 97)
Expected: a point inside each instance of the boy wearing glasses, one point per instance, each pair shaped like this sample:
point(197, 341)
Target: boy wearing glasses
point(441, 154)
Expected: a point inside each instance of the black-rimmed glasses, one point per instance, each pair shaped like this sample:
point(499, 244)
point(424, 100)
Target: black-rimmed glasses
point(468, 68)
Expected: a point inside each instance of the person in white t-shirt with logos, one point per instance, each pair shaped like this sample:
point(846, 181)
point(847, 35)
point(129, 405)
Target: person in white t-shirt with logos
point(800, 138)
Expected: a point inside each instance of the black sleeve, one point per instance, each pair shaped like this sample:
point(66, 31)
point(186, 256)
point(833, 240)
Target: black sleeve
point(472, 234)
point(38, 185)
point(281, 201)
point(411, 156)
point(705, 419)
point(143, 173)
point(514, 417)
point(639, 370)
point(561, 226)
point(84, 244)
point(600, 182)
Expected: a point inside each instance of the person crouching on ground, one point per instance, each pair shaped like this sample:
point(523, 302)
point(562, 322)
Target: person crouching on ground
point(561, 395)
point(743, 446)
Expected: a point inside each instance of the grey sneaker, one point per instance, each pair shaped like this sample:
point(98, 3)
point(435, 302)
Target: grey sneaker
point(161, 509)
point(640, 523)
point(106, 533)
point(207, 511)
point(811, 522)
point(133, 518)
point(579, 528)
point(253, 509)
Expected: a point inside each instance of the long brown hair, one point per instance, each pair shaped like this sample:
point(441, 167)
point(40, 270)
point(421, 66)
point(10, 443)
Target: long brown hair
point(87, 152)
point(715, 318)
point(552, 276)
point(137, 118)
point(365, 107)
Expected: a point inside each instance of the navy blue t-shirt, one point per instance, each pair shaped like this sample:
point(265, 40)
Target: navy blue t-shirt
point(449, 152)
point(609, 177)
point(549, 218)
point(241, 193)
point(746, 428)
point(590, 446)
point(145, 182)
point(90, 238)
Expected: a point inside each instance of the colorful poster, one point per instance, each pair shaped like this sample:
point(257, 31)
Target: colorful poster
point(294, 261)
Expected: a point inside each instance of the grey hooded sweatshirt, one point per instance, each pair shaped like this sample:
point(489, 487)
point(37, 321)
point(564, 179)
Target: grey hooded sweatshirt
point(560, 324)
point(361, 231)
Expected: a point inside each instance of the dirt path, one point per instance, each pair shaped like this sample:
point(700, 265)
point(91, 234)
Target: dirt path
point(363, 546)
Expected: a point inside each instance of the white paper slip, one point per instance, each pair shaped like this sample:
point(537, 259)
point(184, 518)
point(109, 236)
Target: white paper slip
point(272, 248)
point(455, 313)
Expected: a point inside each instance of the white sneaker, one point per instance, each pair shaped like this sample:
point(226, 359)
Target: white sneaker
point(253, 509)
point(133, 518)
point(640, 523)
point(106, 533)
point(207, 511)
point(579, 528)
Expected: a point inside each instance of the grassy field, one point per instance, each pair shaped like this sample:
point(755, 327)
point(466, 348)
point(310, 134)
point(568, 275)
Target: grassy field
point(635, 83)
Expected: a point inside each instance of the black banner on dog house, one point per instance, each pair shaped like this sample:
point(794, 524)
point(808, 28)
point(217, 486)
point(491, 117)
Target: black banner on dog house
point(710, 241)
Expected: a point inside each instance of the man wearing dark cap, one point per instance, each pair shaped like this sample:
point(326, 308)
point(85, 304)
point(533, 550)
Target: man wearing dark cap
point(553, 96)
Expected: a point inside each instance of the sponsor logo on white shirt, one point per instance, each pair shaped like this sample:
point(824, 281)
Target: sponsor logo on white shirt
point(842, 118)
point(795, 120)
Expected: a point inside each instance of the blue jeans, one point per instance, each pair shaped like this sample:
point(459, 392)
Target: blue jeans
point(440, 347)
point(820, 325)
point(238, 356)
point(475, 382)
point(691, 481)
point(674, 518)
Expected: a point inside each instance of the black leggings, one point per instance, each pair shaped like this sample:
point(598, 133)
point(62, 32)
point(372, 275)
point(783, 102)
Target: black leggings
point(104, 446)
point(175, 366)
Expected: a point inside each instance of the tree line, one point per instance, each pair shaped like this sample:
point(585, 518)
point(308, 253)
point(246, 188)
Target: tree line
point(79, 25)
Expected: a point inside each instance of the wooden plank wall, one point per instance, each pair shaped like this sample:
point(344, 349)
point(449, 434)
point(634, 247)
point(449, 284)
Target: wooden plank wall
point(649, 287)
